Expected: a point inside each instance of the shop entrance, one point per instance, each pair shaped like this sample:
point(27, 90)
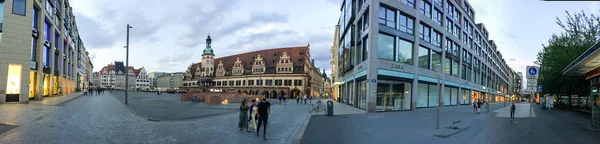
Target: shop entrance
point(393, 95)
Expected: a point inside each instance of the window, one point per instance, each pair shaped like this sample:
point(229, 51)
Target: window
point(436, 38)
point(425, 8)
point(386, 47)
point(33, 48)
point(48, 29)
point(406, 24)
point(365, 49)
point(423, 57)
point(437, 16)
point(19, 7)
point(456, 31)
point(455, 68)
point(387, 17)
point(410, 3)
point(448, 66)
point(49, 7)
point(436, 60)
point(439, 2)
point(269, 82)
point(450, 10)
point(425, 33)
point(404, 51)
point(464, 72)
point(449, 25)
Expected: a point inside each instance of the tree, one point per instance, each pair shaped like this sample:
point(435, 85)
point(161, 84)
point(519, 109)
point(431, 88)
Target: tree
point(580, 33)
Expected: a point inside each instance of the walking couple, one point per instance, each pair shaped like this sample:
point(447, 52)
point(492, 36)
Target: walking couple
point(258, 111)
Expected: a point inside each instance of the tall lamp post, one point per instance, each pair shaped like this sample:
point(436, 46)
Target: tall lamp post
point(440, 104)
point(127, 64)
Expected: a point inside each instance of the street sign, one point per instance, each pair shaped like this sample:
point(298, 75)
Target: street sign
point(532, 72)
point(374, 80)
point(539, 88)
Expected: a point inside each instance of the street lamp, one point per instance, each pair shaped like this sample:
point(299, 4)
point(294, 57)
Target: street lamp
point(127, 63)
point(440, 103)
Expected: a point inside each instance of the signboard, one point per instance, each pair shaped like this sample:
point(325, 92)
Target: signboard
point(374, 80)
point(532, 72)
point(539, 88)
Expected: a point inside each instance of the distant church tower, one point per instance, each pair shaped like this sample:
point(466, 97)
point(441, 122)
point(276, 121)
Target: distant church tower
point(208, 59)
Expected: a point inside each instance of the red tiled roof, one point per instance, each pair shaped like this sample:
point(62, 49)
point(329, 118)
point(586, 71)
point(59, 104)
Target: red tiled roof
point(136, 71)
point(268, 56)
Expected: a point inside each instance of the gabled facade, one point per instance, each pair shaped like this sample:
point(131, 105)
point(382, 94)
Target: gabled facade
point(270, 72)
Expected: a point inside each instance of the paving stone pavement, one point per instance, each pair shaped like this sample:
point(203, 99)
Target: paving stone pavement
point(103, 119)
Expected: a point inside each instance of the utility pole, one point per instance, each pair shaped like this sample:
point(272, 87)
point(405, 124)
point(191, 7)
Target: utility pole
point(440, 104)
point(127, 64)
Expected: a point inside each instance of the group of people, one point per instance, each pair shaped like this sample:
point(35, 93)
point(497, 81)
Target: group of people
point(259, 113)
point(477, 106)
point(299, 97)
point(91, 91)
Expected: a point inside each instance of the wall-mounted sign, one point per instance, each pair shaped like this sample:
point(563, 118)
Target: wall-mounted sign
point(397, 66)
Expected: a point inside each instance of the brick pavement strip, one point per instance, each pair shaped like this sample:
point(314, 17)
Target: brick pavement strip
point(103, 119)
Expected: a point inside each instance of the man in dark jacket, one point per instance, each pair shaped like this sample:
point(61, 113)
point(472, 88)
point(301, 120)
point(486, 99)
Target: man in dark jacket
point(264, 108)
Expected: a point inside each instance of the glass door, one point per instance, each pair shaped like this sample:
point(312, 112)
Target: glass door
point(383, 90)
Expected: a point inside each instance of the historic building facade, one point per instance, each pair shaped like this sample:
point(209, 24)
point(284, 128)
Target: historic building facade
point(113, 76)
point(392, 55)
point(40, 50)
point(270, 72)
point(142, 81)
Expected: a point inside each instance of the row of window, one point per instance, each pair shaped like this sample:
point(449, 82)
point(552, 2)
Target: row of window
point(277, 82)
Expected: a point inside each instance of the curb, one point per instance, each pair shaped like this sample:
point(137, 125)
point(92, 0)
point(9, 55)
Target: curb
point(300, 132)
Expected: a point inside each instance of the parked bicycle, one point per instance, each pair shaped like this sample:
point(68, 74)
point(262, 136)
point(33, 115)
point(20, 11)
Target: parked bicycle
point(318, 106)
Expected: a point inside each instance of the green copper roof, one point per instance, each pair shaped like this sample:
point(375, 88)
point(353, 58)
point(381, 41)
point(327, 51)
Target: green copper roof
point(208, 49)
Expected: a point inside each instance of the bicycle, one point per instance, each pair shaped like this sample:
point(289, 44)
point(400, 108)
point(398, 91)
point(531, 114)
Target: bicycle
point(319, 106)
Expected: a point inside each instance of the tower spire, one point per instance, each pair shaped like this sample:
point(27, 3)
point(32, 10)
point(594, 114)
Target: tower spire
point(208, 50)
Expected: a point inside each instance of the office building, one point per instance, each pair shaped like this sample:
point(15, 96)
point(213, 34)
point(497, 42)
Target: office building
point(40, 50)
point(393, 54)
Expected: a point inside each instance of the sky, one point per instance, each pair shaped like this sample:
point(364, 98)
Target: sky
point(171, 36)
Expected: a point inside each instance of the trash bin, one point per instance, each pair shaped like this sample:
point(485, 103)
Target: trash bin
point(329, 108)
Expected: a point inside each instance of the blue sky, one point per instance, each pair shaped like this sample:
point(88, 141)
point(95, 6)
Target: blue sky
point(170, 36)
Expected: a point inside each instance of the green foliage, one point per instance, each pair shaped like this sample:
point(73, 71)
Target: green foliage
point(580, 33)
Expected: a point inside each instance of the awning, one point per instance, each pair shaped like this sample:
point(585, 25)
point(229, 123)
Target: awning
point(585, 63)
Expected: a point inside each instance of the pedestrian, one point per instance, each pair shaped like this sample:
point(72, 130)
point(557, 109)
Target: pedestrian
point(253, 114)
point(264, 108)
point(305, 98)
point(474, 106)
point(157, 92)
point(512, 111)
point(243, 123)
point(298, 98)
point(280, 99)
point(284, 99)
point(91, 91)
point(478, 107)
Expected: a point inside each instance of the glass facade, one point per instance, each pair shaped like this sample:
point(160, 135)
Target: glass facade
point(405, 60)
point(393, 95)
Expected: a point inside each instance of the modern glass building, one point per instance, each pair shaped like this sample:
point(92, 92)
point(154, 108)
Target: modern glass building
point(392, 55)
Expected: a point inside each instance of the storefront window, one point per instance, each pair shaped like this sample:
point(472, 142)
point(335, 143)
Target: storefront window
point(447, 95)
point(423, 94)
point(393, 95)
point(433, 96)
point(386, 47)
point(55, 85)
point(362, 94)
point(13, 81)
point(46, 84)
point(32, 83)
point(454, 97)
point(404, 51)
